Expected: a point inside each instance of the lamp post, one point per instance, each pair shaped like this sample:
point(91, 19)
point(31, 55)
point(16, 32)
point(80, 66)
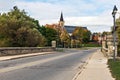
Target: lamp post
point(70, 40)
point(114, 34)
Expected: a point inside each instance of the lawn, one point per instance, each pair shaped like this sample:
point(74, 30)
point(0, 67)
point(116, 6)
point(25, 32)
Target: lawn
point(115, 68)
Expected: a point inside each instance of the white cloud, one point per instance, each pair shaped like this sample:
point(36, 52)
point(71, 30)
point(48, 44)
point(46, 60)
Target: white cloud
point(90, 20)
point(6, 5)
point(95, 24)
point(76, 12)
point(41, 10)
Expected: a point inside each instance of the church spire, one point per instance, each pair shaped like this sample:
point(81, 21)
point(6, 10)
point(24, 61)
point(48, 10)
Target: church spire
point(61, 22)
point(61, 17)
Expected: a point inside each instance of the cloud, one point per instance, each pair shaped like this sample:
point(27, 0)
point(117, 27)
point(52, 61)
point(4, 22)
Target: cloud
point(6, 5)
point(89, 20)
point(93, 23)
point(41, 10)
point(76, 12)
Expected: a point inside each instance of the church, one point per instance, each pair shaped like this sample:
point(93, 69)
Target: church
point(65, 32)
point(60, 26)
point(68, 28)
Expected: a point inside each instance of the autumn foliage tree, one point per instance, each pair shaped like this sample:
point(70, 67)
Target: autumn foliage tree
point(65, 38)
point(81, 34)
point(19, 30)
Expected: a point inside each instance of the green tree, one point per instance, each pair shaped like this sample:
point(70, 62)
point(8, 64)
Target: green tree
point(49, 33)
point(81, 34)
point(18, 29)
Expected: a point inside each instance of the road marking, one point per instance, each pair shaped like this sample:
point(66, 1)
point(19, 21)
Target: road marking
point(34, 63)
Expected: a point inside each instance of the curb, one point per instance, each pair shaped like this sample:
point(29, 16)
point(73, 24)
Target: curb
point(4, 58)
point(82, 67)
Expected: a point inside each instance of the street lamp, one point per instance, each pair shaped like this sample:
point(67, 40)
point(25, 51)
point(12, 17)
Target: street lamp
point(114, 34)
point(70, 40)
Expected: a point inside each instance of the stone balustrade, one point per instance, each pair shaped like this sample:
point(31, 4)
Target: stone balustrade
point(107, 46)
point(23, 50)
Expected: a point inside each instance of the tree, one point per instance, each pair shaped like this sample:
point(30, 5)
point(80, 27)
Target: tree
point(81, 34)
point(18, 29)
point(65, 38)
point(49, 33)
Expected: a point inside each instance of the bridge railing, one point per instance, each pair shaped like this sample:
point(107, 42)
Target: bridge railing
point(23, 50)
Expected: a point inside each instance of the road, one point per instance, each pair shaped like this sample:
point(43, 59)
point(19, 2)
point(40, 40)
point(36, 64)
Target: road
point(57, 66)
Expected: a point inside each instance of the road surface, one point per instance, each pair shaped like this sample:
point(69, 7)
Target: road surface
point(57, 66)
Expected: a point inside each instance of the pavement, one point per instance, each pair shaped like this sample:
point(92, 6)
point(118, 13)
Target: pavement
point(2, 58)
point(95, 69)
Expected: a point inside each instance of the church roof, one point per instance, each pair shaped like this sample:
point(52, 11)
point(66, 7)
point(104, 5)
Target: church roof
point(70, 29)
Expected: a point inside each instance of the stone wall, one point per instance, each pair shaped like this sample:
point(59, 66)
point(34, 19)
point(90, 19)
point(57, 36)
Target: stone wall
point(107, 46)
point(23, 50)
point(104, 48)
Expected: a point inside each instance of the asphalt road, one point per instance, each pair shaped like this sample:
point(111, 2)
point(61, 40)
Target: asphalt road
point(56, 66)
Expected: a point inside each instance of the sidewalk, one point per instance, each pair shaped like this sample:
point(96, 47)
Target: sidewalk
point(22, 55)
point(96, 69)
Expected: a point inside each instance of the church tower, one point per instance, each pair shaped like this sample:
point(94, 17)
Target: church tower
point(61, 22)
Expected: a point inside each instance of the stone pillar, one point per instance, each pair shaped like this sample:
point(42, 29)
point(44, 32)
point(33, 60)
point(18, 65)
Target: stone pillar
point(110, 48)
point(104, 44)
point(54, 44)
point(104, 48)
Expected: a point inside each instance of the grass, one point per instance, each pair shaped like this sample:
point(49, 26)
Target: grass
point(91, 45)
point(115, 68)
point(84, 48)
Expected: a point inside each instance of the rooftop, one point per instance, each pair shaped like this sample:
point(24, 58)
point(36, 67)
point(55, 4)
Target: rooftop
point(70, 29)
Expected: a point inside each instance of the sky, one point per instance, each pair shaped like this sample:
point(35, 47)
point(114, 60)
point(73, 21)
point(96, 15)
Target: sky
point(93, 14)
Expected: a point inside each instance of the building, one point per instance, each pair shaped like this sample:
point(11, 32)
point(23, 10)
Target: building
point(65, 33)
point(70, 29)
point(61, 26)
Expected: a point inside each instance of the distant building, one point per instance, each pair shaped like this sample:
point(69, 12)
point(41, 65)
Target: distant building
point(61, 26)
point(97, 37)
point(65, 33)
point(70, 29)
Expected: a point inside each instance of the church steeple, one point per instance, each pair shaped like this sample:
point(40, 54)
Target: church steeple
point(61, 17)
point(61, 22)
